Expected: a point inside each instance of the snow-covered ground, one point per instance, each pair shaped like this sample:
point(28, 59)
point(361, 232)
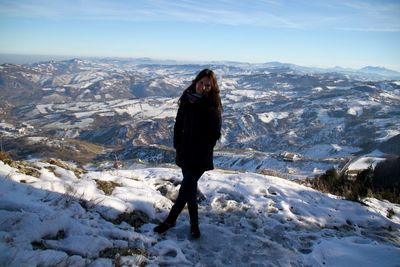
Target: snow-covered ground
point(58, 217)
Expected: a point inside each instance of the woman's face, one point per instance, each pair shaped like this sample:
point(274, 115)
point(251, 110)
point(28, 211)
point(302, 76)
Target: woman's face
point(203, 86)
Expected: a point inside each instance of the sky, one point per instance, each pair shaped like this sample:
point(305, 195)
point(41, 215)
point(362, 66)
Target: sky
point(348, 33)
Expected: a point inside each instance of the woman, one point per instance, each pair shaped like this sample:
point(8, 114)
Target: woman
point(197, 129)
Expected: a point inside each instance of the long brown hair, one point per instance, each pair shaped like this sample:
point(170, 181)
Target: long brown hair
point(213, 94)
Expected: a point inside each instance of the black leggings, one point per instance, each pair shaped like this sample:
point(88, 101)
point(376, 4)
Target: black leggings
point(187, 194)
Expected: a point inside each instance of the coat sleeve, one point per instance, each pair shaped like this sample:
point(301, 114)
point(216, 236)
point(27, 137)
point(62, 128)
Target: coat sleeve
point(216, 122)
point(178, 127)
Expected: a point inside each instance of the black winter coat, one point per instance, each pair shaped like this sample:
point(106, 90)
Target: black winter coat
point(196, 131)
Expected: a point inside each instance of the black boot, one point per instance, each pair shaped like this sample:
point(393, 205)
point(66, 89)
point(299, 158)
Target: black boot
point(163, 227)
point(195, 230)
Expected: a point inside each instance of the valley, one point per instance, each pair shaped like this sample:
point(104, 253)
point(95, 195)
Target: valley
point(277, 118)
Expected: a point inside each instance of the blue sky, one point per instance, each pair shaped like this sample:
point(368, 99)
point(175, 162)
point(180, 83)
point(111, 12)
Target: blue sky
point(349, 33)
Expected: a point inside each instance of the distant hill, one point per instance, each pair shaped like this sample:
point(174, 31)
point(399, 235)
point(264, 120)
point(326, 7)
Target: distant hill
point(381, 71)
point(368, 72)
point(391, 146)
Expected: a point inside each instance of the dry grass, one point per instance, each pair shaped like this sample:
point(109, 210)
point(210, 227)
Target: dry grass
point(26, 168)
point(77, 170)
point(77, 151)
point(4, 155)
point(107, 186)
point(140, 255)
point(135, 218)
point(112, 252)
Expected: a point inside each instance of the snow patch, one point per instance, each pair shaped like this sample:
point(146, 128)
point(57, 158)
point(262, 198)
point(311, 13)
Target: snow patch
point(353, 251)
point(272, 116)
point(355, 111)
point(364, 163)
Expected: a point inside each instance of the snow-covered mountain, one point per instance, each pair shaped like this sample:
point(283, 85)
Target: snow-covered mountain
point(294, 120)
point(380, 71)
point(54, 213)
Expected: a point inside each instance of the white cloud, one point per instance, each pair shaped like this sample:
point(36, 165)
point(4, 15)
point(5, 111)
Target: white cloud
point(351, 15)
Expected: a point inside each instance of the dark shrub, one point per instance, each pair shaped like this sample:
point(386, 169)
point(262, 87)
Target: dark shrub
point(383, 182)
point(387, 175)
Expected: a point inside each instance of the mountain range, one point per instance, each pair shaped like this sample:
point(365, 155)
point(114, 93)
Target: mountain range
point(297, 121)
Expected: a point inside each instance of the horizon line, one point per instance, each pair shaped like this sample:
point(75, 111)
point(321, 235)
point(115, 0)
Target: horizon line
point(54, 57)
